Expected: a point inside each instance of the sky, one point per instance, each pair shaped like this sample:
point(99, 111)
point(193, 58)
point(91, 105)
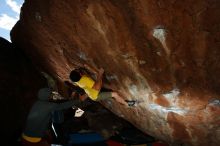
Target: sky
point(9, 15)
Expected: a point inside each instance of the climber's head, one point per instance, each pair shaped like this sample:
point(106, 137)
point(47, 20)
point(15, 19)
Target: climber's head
point(75, 76)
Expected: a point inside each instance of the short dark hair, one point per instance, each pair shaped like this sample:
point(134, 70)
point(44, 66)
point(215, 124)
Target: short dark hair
point(75, 76)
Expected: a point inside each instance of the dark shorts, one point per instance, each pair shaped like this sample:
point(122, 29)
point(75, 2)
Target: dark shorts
point(104, 96)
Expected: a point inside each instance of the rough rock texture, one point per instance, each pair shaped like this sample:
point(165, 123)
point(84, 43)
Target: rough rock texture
point(162, 52)
point(19, 83)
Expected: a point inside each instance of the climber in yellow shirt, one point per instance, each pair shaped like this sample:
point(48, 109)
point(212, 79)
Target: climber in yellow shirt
point(92, 88)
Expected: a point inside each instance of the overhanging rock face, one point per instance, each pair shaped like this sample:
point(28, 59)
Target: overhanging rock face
point(163, 53)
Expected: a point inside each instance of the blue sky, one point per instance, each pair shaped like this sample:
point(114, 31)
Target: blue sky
point(9, 14)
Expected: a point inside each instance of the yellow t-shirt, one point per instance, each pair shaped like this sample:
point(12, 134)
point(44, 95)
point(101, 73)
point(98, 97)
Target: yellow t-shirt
point(87, 83)
point(31, 139)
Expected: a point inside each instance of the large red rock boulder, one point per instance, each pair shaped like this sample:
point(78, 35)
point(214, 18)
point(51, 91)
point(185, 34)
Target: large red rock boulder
point(165, 54)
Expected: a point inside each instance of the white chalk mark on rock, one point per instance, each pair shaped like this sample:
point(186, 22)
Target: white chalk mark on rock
point(38, 16)
point(172, 94)
point(167, 109)
point(82, 55)
point(133, 89)
point(160, 34)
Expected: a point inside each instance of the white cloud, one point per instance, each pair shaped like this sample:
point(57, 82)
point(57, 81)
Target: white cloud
point(13, 5)
point(7, 22)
